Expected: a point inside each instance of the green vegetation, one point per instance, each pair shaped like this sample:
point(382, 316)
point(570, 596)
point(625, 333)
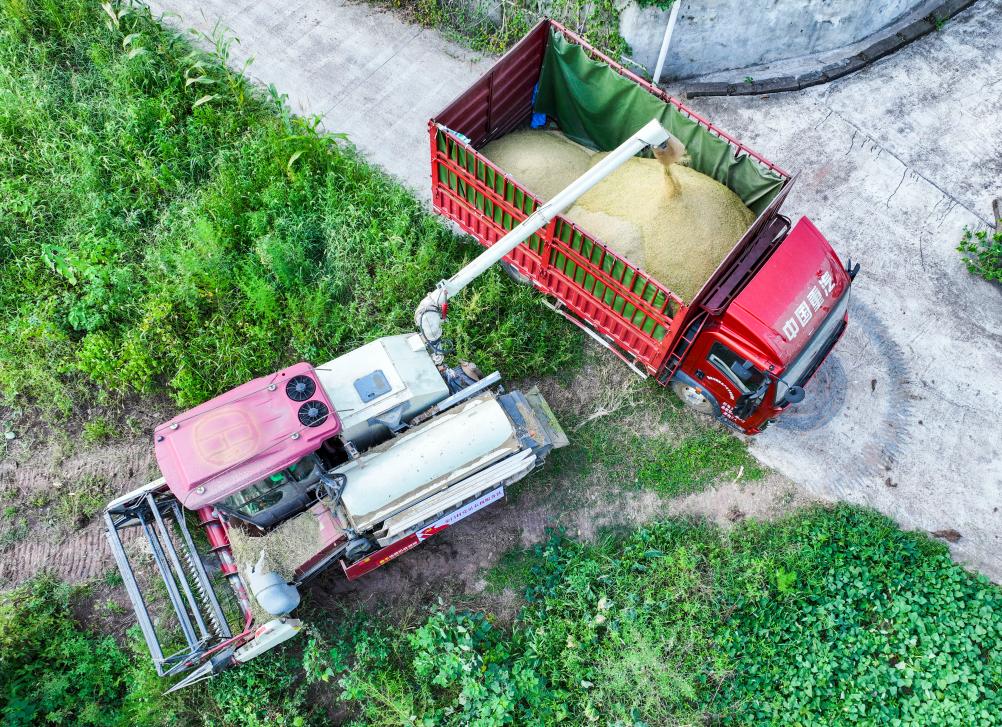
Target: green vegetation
point(98, 430)
point(76, 504)
point(163, 224)
point(497, 30)
point(629, 449)
point(51, 670)
point(982, 252)
point(832, 616)
point(13, 528)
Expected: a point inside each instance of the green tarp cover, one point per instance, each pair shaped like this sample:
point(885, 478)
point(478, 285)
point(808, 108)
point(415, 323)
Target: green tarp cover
point(595, 106)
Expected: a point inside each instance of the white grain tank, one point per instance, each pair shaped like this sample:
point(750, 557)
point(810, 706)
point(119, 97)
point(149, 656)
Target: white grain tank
point(427, 460)
point(387, 381)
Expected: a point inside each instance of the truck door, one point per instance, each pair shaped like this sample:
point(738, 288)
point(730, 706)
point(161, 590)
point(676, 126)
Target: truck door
point(738, 385)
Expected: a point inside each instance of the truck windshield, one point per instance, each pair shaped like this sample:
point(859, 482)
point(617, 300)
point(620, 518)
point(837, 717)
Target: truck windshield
point(814, 352)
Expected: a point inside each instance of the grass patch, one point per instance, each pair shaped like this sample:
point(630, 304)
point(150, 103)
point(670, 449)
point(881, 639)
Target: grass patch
point(81, 500)
point(98, 430)
point(13, 529)
point(647, 439)
point(513, 571)
point(496, 28)
point(165, 225)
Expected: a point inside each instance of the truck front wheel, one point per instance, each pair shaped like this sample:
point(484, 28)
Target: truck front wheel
point(693, 398)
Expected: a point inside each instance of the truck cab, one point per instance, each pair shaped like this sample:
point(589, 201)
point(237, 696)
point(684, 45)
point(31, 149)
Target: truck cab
point(756, 358)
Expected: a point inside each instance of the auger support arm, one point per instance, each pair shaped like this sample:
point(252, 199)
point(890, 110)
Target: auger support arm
point(431, 310)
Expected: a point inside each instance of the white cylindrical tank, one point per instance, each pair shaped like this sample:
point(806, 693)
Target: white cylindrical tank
point(416, 465)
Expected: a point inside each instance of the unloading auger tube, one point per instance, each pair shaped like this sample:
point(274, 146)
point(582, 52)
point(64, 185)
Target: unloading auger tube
point(432, 309)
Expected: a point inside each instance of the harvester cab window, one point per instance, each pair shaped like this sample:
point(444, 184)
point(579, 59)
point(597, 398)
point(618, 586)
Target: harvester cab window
point(277, 496)
point(740, 372)
point(259, 496)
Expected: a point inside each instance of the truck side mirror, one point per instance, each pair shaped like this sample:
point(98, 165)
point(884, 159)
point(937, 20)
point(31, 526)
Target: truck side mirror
point(795, 394)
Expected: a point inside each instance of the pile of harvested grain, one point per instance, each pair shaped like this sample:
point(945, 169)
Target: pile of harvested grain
point(286, 547)
point(677, 227)
point(544, 161)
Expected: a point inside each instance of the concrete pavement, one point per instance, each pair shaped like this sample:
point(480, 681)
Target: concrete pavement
point(894, 162)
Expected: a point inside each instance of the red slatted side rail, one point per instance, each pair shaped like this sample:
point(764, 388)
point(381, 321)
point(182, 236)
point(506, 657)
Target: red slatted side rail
point(619, 301)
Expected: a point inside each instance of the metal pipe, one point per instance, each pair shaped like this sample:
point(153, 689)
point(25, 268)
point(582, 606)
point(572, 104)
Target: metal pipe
point(669, 29)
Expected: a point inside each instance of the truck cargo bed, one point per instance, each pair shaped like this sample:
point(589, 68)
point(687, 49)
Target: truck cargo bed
point(554, 77)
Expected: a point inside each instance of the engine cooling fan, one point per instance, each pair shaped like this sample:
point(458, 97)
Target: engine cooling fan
point(313, 413)
point(300, 388)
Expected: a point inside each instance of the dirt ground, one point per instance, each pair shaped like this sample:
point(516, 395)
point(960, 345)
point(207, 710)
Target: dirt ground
point(53, 485)
point(47, 465)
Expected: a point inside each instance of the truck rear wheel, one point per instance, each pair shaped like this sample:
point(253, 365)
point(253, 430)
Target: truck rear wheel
point(693, 398)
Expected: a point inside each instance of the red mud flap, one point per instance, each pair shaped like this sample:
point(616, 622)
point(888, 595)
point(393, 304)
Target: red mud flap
point(409, 542)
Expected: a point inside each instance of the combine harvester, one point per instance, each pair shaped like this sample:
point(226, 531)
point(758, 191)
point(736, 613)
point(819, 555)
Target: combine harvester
point(352, 463)
point(744, 345)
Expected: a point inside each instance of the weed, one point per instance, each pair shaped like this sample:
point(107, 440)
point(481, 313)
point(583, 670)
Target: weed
point(114, 608)
point(982, 253)
point(81, 501)
point(51, 671)
point(513, 571)
point(39, 500)
point(498, 28)
point(682, 459)
point(163, 224)
point(98, 430)
point(12, 532)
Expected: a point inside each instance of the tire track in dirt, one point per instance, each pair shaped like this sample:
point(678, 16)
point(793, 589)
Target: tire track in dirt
point(58, 474)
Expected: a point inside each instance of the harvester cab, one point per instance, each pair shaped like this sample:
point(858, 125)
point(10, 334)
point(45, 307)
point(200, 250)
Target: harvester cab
point(353, 463)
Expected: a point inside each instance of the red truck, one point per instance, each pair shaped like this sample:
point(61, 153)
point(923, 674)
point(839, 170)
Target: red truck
point(745, 345)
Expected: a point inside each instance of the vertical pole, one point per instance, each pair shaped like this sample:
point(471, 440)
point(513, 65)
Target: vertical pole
point(669, 29)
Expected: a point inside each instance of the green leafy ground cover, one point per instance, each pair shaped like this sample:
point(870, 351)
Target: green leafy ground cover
point(831, 616)
point(982, 252)
point(496, 27)
point(162, 224)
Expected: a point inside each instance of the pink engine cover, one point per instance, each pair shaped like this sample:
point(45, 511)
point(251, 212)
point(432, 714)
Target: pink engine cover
point(239, 437)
